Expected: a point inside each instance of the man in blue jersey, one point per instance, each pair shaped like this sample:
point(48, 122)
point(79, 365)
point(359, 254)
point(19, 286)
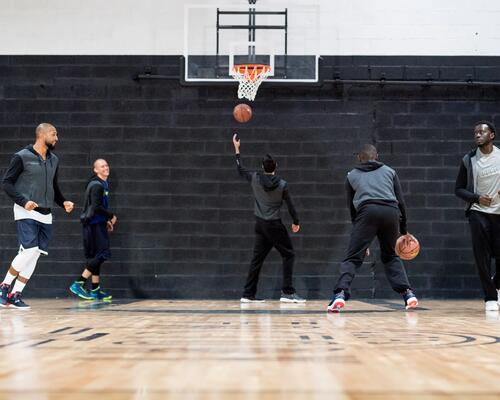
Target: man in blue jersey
point(97, 222)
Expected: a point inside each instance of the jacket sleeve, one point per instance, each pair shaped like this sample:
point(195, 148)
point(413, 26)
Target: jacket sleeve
point(10, 177)
point(244, 173)
point(96, 194)
point(59, 199)
point(289, 204)
point(461, 186)
point(401, 204)
point(350, 197)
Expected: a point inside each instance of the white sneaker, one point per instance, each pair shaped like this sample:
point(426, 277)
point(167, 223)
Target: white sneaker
point(291, 298)
point(251, 299)
point(491, 305)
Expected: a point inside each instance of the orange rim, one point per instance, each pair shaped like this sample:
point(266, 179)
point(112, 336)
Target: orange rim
point(251, 71)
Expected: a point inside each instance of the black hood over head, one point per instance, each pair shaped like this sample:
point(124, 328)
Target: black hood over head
point(369, 166)
point(268, 182)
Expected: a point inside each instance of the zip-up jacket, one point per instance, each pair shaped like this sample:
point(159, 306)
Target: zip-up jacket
point(372, 182)
point(466, 183)
point(269, 192)
point(95, 209)
point(29, 177)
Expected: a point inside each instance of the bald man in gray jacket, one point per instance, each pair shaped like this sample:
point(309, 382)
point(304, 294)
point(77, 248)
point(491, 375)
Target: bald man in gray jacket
point(377, 209)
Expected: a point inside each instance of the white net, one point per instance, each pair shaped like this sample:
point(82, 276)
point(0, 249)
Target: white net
point(249, 77)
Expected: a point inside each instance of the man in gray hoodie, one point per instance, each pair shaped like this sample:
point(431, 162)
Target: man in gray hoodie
point(269, 192)
point(377, 209)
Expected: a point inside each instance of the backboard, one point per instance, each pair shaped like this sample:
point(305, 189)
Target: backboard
point(282, 34)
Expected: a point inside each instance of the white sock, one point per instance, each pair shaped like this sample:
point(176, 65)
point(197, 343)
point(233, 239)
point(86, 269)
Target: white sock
point(18, 287)
point(9, 278)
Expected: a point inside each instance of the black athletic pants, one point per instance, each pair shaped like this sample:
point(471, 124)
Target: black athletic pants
point(269, 234)
point(96, 246)
point(373, 220)
point(485, 232)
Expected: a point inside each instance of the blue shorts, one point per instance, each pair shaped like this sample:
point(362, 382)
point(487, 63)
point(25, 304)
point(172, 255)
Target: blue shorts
point(31, 233)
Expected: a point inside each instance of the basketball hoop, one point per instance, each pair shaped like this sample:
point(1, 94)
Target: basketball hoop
point(249, 76)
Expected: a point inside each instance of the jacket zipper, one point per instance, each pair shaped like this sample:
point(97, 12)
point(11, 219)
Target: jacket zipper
point(46, 202)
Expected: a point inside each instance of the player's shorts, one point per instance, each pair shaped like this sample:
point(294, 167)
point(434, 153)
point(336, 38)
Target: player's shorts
point(31, 233)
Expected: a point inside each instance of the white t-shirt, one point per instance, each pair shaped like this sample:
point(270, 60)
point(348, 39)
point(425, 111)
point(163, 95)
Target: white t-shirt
point(22, 213)
point(488, 180)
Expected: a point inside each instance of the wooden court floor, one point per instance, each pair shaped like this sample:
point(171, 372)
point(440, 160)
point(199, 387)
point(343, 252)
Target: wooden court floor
point(66, 349)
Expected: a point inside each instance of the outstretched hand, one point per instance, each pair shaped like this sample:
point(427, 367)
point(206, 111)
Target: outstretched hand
point(236, 143)
point(295, 228)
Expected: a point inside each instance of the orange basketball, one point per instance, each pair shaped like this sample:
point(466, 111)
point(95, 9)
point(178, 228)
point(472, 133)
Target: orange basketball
point(407, 247)
point(242, 113)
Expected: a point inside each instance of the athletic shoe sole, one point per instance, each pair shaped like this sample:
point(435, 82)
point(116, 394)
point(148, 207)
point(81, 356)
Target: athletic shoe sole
point(411, 303)
point(79, 295)
point(285, 300)
point(336, 306)
point(19, 308)
point(103, 299)
point(244, 300)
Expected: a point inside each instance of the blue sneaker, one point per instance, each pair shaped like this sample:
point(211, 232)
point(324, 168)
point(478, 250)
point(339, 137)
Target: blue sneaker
point(410, 299)
point(98, 294)
point(337, 303)
point(15, 301)
point(77, 288)
point(4, 294)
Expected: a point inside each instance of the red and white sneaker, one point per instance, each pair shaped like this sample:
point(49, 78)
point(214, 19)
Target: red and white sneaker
point(410, 299)
point(337, 303)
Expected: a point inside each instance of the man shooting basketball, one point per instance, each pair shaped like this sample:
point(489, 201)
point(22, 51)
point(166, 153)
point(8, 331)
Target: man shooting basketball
point(269, 192)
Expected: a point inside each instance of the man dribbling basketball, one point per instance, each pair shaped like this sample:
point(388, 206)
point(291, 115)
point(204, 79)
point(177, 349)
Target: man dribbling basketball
point(377, 209)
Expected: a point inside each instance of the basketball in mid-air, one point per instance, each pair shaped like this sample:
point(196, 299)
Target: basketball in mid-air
point(242, 113)
point(407, 247)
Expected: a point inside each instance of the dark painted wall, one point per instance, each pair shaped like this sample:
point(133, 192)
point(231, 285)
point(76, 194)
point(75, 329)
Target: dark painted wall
point(185, 218)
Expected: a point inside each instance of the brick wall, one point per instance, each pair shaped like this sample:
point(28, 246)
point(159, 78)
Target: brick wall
point(185, 218)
